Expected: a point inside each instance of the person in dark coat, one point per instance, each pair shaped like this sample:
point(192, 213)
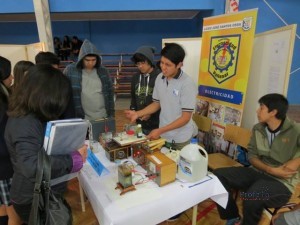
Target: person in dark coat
point(7, 212)
point(51, 59)
point(75, 47)
point(43, 97)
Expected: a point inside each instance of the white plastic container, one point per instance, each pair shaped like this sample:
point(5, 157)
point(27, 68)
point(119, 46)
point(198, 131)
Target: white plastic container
point(192, 164)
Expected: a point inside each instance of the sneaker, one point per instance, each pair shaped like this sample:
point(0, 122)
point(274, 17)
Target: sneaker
point(234, 221)
point(174, 218)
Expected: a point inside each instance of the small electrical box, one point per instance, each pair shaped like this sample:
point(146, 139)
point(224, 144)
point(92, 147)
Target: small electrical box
point(114, 151)
point(139, 153)
point(163, 168)
point(141, 150)
point(125, 179)
point(125, 175)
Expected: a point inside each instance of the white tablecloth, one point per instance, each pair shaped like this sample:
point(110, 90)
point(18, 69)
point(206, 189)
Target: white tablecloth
point(149, 204)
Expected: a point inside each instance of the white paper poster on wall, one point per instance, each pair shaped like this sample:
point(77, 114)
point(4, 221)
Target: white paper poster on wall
point(270, 68)
point(16, 53)
point(33, 50)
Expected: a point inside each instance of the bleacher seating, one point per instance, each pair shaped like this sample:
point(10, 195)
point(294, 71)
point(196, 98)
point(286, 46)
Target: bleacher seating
point(121, 70)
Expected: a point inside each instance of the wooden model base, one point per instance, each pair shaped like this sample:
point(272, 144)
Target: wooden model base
point(125, 190)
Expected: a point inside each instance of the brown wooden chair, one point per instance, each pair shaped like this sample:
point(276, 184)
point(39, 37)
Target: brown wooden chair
point(204, 125)
point(237, 135)
point(215, 160)
point(220, 160)
point(234, 135)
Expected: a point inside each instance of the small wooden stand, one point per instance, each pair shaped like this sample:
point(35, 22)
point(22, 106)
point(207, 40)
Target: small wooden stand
point(124, 190)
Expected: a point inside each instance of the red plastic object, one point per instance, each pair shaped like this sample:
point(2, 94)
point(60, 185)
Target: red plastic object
point(130, 132)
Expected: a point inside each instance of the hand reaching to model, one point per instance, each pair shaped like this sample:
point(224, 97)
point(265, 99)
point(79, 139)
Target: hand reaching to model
point(131, 115)
point(154, 134)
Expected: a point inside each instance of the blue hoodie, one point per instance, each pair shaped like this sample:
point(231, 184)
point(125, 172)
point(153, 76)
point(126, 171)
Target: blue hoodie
point(74, 72)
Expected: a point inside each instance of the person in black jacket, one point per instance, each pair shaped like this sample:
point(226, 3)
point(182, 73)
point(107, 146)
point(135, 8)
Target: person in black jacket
point(43, 97)
point(6, 170)
point(75, 47)
point(142, 85)
point(47, 58)
point(51, 59)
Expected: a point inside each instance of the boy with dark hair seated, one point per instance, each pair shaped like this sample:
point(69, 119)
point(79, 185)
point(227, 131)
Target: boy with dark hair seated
point(270, 181)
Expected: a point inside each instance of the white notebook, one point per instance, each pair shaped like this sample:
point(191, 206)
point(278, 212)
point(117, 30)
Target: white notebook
point(64, 136)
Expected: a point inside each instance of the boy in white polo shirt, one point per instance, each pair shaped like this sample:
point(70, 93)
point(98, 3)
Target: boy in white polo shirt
point(175, 95)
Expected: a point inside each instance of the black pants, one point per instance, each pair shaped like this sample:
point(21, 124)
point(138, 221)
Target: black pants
point(257, 190)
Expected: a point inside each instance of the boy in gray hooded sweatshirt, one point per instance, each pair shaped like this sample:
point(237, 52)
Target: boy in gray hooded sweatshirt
point(93, 93)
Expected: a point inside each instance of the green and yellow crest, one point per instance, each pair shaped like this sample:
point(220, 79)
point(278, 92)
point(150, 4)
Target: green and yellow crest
point(223, 57)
